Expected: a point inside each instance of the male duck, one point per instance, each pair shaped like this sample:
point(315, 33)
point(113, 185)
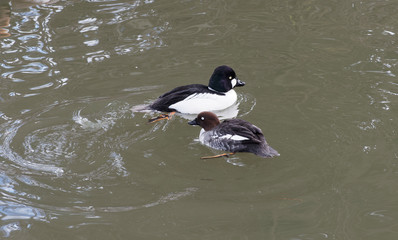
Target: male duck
point(195, 98)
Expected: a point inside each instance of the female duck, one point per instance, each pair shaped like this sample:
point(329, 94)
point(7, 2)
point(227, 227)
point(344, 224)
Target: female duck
point(234, 135)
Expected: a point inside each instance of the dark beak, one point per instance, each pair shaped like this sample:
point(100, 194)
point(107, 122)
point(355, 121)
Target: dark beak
point(239, 83)
point(193, 122)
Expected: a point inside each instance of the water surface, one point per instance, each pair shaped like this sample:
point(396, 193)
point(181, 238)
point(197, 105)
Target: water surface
point(76, 162)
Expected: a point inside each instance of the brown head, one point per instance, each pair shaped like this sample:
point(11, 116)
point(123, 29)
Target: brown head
point(207, 120)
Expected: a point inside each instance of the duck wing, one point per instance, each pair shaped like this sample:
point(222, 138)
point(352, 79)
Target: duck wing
point(178, 94)
point(242, 130)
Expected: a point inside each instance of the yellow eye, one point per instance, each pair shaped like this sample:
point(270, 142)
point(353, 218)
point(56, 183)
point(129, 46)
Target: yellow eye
point(230, 77)
point(202, 118)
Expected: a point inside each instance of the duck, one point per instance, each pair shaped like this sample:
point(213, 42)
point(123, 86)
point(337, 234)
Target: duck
point(218, 95)
point(232, 135)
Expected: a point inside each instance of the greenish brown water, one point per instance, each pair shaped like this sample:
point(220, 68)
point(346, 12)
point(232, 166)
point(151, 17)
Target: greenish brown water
point(77, 163)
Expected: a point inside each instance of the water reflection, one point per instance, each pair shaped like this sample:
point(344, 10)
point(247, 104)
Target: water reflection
point(12, 211)
point(27, 53)
point(7, 229)
point(5, 14)
point(16, 205)
point(35, 51)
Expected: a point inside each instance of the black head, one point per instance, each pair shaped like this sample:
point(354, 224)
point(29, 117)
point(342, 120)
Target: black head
point(207, 120)
point(224, 79)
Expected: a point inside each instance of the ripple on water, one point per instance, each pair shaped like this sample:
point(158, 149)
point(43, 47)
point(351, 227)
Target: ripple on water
point(9, 131)
point(15, 206)
point(53, 144)
point(54, 165)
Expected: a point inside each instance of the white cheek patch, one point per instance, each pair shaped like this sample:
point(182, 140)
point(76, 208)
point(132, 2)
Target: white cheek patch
point(233, 82)
point(234, 137)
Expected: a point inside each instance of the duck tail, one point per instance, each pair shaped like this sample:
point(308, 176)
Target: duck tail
point(267, 151)
point(141, 108)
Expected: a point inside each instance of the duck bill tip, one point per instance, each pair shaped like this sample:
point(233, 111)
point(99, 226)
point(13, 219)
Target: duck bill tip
point(240, 83)
point(193, 122)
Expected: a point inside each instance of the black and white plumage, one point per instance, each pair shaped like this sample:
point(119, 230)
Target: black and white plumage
point(233, 135)
point(195, 98)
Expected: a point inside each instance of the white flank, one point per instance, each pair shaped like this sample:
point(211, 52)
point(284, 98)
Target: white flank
point(234, 137)
point(204, 137)
point(200, 102)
